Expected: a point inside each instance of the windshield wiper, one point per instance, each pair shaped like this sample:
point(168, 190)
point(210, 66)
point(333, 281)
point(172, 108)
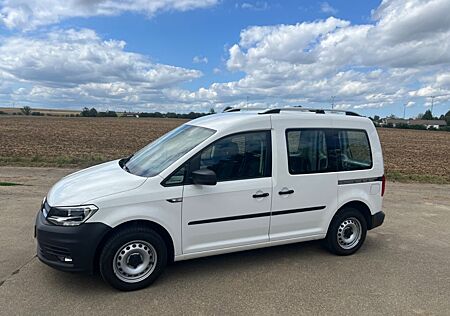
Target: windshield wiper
point(126, 168)
point(123, 163)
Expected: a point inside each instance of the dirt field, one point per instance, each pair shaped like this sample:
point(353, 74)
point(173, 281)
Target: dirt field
point(410, 155)
point(56, 112)
point(61, 141)
point(416, 155)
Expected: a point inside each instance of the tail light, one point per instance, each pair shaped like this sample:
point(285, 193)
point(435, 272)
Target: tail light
point(383, 185)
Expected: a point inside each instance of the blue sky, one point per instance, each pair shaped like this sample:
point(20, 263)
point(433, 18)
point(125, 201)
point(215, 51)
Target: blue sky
point(190, 55)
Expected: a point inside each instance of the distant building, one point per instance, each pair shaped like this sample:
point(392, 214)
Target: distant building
point(394, 122)
point(130, 114)
point(428, 123)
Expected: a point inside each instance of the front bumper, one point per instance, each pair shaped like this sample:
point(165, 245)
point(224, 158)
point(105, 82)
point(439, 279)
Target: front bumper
point(68, 248)
point(377, 219)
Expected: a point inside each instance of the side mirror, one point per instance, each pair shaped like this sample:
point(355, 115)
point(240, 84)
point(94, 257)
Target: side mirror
point(204, 176)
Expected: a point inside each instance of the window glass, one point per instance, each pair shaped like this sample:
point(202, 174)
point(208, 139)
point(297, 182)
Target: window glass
point(160, 154)
point(307, 151)
point(176, 178)
point(237, 157)
point(354, 150)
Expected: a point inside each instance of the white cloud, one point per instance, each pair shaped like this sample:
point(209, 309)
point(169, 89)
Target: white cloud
point(342, 106)
point(78, 66)
point(325, 7)
point(33, 13)
point(68, 58)
point(410, 104)
point(257, 6)
point(200, 60)
point(402, 56)
point(369, 106)
point(365, 65)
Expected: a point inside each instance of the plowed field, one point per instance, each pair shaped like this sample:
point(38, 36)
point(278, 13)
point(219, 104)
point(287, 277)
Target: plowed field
point(410, 155)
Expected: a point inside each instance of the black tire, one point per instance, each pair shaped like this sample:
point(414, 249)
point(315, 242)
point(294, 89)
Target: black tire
point(138, 238)
point(345, 222)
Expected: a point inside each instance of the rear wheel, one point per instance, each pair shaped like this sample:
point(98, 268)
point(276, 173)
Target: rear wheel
point(347, 232)
point(133, 258)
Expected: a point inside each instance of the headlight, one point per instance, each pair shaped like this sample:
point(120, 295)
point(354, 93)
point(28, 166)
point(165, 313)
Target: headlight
point(70, 215)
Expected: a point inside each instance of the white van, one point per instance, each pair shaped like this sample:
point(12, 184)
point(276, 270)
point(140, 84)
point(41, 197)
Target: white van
point(221, 183)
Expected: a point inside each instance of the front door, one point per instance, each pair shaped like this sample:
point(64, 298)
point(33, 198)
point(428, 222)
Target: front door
point(235, 211)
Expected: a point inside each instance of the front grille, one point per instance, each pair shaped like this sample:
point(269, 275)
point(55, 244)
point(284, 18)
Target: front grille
point(53, 252)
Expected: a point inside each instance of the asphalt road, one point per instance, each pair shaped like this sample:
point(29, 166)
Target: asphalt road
point(402, 269)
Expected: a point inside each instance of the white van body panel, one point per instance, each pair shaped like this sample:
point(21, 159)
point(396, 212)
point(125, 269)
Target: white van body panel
point(95, 182)
point(226, 199)
point(370, 192)
point(146, 203)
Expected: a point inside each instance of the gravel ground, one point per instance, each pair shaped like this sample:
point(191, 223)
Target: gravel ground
point(402, 269)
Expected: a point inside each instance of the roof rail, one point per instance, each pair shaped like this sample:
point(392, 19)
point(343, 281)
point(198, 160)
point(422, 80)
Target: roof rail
point(300, 109)
point(244, 109)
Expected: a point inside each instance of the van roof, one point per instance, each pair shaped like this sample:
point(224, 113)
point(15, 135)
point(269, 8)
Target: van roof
point(293, 109)
point(236, 118)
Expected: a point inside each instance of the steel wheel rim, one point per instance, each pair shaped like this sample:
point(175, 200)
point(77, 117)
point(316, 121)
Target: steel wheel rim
point(134, 261)
point(349, 233)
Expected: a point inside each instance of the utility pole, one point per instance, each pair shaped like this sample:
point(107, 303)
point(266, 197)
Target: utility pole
point(332, 101)
point(246, 103)
point(432, 103)
point(404, 109)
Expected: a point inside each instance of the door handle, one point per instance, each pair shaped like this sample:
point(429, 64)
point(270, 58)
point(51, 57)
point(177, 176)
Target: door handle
point(175, 200)
point(260, 195)
point(284, 192)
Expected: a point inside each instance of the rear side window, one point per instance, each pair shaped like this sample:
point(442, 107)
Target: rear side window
point(326, 150)
point(353, 152)
point(308, 151)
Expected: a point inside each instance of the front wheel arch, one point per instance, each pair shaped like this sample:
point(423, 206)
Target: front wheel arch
point(134, 223)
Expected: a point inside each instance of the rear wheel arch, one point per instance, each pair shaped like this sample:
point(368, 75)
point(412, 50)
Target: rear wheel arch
point(362, 207)
point(141, 223)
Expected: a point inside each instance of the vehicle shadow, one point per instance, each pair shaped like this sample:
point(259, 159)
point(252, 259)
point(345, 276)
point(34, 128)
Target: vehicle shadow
point(214, 267)
point(194, 268)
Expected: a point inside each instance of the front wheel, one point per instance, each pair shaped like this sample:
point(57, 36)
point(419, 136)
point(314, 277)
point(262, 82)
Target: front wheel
point(347, 232)
point(133, 258)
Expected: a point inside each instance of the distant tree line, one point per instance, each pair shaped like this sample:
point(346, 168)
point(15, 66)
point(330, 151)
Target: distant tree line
point(92, 112)
point(429, 116)
point(425, 116)
point(189, 116)
point(422, 116)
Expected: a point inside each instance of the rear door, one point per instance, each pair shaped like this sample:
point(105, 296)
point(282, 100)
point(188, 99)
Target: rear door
point(305, 181)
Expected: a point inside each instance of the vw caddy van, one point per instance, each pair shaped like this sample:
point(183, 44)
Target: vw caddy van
point(221, 183)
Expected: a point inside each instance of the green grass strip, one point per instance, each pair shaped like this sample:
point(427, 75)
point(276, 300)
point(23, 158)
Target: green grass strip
point(8, 184)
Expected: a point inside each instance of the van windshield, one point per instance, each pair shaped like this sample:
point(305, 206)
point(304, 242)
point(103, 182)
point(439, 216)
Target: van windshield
point(160, 154)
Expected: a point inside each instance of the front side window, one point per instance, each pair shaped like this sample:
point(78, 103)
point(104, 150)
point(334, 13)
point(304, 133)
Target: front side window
point(308, 151)
point(237, 157)
point(354, 150)
point(160, 154)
